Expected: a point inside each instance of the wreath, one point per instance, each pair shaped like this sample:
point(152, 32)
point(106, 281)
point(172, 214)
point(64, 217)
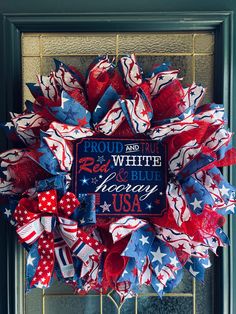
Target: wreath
point(115, 181)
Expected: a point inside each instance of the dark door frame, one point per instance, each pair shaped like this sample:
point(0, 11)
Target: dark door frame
point(11, 28)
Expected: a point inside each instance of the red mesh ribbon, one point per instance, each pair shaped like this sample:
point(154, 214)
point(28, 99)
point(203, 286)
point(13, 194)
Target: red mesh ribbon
point(115, 264)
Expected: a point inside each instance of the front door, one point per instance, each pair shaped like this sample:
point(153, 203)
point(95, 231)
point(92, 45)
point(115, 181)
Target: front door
point(199, 45)
point(192, 53)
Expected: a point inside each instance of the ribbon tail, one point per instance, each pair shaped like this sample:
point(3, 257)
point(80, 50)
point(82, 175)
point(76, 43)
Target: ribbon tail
point(44, 271)
point(64, 258)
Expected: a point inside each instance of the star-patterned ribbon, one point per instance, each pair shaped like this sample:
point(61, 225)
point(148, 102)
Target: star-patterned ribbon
point(47, 221)
point(155, 254)
point(150, 260)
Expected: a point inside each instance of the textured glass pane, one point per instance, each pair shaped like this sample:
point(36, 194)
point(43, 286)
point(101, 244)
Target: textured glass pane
point(205, 74)
point(186, 285)
point(71, 305)
point(59, 287)
point(78, 44)
point(171, 305)
point(34, 302)
point(112, 304)
point(80, 62)
point(184, 63)
point(109, 305)
point(128, 307)
point(155, 43)
point(204, 43)
point(30, 68)
point(205, 293)
point(30, 46)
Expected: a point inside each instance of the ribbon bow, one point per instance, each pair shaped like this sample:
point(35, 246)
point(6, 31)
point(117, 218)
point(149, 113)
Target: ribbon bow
point(47, 221)
point(157, 255)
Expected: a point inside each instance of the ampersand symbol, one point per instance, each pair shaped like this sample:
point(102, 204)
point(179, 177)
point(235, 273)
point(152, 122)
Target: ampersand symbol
point(122, 175)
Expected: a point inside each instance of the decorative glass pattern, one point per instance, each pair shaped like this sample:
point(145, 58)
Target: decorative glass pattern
point(191, 52)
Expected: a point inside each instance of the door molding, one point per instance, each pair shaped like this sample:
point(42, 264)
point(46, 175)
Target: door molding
point(11, 28)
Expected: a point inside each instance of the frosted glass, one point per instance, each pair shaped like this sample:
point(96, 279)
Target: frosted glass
point(193, 54)
point(30, 46)
point(78, 44)
point(30, 68)
point(155, 43)
point(204, 43)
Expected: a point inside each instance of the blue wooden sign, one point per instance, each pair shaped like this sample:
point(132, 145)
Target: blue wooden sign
point(126, 176)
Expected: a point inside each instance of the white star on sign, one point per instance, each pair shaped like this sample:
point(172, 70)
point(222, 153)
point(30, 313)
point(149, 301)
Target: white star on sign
point(149, 206)
point(144, 240)
point(7, 212)
point(157, 256)
point(105, 207)
point(84, 180)
point(100, 159)
point(196, 203)
point(30, 260)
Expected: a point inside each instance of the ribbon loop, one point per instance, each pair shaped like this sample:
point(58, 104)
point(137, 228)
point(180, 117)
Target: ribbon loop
point(48, 223)
point(37, 221)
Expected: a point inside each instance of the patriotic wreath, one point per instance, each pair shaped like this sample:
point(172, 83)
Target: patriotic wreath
point(63, 233)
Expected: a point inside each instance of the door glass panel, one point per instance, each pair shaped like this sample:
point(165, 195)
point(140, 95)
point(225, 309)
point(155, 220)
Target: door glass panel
point(193, 54)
